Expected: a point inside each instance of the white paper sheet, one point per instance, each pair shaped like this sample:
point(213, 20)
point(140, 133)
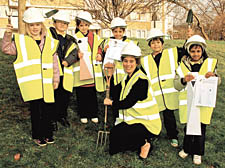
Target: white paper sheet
point(114, 51)
point(193, 112)
point(85, 66)
point(206, 90)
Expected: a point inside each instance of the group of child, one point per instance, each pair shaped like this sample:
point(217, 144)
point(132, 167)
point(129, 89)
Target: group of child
point(48, 67)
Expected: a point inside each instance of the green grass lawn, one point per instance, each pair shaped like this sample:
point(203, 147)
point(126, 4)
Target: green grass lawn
point(75, 147)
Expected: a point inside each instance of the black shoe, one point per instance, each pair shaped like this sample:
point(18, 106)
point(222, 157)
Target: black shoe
point(64, 122)
point(40, 142)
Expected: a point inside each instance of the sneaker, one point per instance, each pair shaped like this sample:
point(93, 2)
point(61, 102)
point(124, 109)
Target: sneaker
point(84, 120)
point(94, 120)
point(174, 143)
point(182, 154)
point(40, 142)
point(49, 140)
point(197, 159)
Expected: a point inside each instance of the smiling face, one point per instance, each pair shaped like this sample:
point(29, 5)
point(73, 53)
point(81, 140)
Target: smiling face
point(60, 26)
point(156, 45)
point(83, 27)
point(129, 64)
point(118, 33)
point(195, 53)
point(35, 29)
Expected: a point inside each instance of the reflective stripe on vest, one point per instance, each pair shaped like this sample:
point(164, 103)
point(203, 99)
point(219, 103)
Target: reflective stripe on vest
point(162, 78)
point(68, 76)
point(145, 112)
point(208, 65)
point(97, 68)
point(34, 69)
point(119, 72)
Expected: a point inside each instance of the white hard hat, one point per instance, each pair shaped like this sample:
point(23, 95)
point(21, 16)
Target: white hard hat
point(155, 33)
point(118, 22)
point(84, 15)
point(131, 49)
point(196, 39)
point(33, 15)
point(62, 16)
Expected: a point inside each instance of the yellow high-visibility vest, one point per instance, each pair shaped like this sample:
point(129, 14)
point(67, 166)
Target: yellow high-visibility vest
point(66, 72)
point(97, 68)
point(34, 68)
point(145, 112)
point(162, 78)
point(119, 71)
point(208, 65)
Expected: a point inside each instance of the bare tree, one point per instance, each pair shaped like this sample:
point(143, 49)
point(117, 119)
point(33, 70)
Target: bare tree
point(106, 10)
point(206, 15)
point(200, 25)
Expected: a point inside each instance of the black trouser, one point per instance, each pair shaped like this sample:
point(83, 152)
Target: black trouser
point(195, 144)
point(125, 137)
point(170, 123)
point(62, 98)
point(41, 119)
point(87, 102)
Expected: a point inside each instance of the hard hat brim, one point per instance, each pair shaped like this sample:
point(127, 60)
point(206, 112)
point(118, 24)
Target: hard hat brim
point(32, 21)
point(150, 38)
point(81, 19)
point(113, 27)
point(60, 20)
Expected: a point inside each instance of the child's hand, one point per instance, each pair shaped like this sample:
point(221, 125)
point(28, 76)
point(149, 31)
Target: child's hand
point(55, 85)
point(98, 57)
point(107, 101)
point(109, 67)
point(190, 32)
point(188, 78)
point(106, 47)
point(80, 54)
point(9, 28)
point(209, 74)
point(65, 63)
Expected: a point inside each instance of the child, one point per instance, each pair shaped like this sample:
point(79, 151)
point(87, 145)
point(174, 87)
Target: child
point(68, 55)
point(196, 61)
point(160, 67)
point(139, 120)
point(86, 89)
point(36, 70)
point(118, 27)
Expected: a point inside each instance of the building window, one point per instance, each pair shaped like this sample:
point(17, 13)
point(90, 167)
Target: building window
point(138, 34)
point(143, 34)
point(128, 33)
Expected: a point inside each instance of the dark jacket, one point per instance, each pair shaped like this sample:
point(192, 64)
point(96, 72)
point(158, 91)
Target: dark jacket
point(64, 45)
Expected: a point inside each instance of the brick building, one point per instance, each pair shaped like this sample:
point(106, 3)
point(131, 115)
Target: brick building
point(139, 22)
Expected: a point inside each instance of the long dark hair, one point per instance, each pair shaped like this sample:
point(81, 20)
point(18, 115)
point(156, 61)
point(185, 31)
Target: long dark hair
point(77, 24)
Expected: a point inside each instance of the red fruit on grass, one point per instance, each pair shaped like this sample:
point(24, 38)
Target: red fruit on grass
point(17, 156)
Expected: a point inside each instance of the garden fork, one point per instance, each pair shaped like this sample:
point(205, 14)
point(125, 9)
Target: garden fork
point(103, 134)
